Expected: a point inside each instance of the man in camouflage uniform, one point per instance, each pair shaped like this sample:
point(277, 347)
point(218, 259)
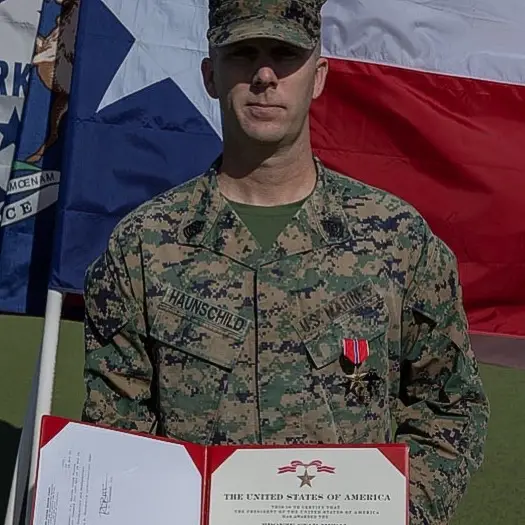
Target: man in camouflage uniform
point(219, 310)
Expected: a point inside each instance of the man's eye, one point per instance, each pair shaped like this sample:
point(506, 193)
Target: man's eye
point(243, 52)
point(285, 53)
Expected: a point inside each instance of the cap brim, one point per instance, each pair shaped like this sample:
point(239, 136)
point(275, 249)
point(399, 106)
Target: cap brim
point(283, 31)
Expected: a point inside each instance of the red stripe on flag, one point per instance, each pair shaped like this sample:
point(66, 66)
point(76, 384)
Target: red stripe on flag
point(282, 470)
point(330, 470)
point(452, 147)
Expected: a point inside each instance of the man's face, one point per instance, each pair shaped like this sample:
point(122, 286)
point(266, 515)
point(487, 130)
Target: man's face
point(264, 87)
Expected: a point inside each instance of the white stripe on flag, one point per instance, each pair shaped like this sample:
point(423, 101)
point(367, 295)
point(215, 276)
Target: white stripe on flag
point(470, 38)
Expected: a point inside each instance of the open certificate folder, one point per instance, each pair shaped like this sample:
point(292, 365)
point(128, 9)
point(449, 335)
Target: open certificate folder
point(89, 475)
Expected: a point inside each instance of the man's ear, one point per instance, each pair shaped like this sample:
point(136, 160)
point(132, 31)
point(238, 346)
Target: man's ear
point(208, 77)
point(321, 71)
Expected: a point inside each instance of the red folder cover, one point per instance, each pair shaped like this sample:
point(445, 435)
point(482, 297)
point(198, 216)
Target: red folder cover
point(90, 475)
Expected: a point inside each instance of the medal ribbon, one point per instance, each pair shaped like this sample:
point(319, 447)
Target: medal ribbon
point(356, 350)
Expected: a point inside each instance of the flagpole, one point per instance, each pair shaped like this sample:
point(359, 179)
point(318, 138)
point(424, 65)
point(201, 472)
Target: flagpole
point(21, 470)
point(44, 391)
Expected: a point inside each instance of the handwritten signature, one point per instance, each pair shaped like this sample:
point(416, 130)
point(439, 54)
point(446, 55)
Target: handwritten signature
point(105, 498)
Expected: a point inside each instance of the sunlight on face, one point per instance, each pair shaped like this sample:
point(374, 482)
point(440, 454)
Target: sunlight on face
point(265, 88)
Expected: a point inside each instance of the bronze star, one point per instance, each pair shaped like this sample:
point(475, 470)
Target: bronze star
point(358, 380)
point(306, 479)
point(357, 384)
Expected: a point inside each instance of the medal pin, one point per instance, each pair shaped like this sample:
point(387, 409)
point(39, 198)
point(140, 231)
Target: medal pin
point(355, 352)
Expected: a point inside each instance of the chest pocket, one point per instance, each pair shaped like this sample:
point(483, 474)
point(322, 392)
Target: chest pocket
point(358, 404)
point(194, 359)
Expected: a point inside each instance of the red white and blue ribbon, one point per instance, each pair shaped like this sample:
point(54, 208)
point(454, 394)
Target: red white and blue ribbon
point(356, 350)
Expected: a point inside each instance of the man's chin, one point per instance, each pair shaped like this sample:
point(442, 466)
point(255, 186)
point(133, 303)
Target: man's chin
point(265, 135)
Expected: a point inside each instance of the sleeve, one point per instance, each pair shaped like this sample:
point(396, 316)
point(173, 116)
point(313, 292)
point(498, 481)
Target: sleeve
point(118, 370)
point(442, 411)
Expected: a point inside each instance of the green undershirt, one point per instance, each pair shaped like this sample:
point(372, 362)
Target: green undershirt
point(266, 222)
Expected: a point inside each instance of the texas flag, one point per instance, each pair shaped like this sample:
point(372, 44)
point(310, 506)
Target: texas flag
point(425, 98)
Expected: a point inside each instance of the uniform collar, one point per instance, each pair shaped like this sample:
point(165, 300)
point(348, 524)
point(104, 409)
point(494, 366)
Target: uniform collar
point(211, 222)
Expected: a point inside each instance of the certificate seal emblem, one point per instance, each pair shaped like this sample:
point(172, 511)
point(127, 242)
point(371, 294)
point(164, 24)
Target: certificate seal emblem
point(306, 470)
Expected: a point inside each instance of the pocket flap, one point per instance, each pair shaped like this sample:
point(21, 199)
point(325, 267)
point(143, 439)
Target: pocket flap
point(368, 321)
point(190, 325)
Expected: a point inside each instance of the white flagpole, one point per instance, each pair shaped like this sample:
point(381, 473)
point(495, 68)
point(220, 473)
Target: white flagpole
point(21, 470)
point(46, 379)
point(40, 404)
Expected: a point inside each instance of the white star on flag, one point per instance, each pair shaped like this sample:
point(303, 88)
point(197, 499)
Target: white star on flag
point(170, 42)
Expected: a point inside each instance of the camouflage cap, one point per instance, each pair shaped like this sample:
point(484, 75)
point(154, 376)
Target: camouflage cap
point(297, 22)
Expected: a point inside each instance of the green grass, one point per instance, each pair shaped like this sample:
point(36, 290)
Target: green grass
point(496, 494)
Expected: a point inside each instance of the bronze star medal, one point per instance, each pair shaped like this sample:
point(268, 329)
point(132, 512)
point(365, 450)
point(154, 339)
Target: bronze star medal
point(358, 379)
point(306, 479)
point(355, 352)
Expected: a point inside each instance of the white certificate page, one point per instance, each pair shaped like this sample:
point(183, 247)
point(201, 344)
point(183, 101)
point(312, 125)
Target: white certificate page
point(354, 486)
point(90, 476)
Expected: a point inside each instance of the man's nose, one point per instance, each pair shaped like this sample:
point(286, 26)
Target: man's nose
point(264, 76)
